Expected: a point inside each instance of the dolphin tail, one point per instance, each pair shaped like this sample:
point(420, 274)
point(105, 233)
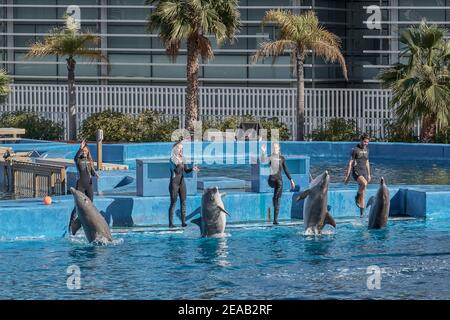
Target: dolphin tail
point(329, 220)
point(303, 195)
point(197, 221)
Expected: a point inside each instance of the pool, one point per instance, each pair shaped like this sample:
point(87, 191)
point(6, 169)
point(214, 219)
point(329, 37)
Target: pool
point(252, 262)
point(432, 172)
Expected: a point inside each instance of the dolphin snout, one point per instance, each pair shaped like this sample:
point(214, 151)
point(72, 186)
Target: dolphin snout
point(382, 180)
point(326, 172)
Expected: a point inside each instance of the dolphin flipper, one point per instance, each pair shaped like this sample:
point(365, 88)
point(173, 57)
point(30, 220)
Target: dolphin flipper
point(329, 220)
point(371, 201)
point(223, 194)
point(223, 210)
point(74, 223)
point(303, 195)
point(197, 221)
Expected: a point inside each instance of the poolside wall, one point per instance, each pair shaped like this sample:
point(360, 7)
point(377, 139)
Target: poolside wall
point(123, 152)
point(31, 218)
point(378, 150)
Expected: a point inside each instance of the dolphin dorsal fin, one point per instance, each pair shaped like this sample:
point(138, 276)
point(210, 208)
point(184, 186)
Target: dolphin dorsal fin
point(329, 220)
point(303, 195)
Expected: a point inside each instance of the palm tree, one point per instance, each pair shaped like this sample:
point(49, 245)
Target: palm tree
point(4, 85)
point(421, 87)
point(68, 41)
point(193, 20)
point(300, 34)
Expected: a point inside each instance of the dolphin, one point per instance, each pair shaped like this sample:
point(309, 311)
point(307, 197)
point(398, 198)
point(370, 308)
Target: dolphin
point(213, 218)
point(94, 225)
point(379, 207)
point(315, 208)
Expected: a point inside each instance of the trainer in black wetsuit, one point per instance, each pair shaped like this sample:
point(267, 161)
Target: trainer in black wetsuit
point(360, 156)
point(86, 171)
point(277, 164)
point(177, 186)
point(359, 167)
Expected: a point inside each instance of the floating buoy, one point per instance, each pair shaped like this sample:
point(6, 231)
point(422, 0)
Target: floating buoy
point(47, 200)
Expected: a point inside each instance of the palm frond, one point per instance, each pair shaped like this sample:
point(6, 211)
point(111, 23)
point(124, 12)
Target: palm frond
point(273, 49)
point(284, 20)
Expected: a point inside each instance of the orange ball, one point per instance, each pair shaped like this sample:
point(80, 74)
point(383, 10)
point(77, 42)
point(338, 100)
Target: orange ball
point(47, 200)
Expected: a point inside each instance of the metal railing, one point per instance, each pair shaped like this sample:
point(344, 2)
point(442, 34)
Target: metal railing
point(369, 108)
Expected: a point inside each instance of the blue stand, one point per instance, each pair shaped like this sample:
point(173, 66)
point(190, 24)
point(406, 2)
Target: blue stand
point(298, 167)
point(153, 177)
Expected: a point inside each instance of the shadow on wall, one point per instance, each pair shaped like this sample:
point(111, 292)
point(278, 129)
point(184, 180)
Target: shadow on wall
point(120, 211)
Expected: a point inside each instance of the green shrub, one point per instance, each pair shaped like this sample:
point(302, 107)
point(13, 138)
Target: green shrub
point(337, 129)
point(152, 127)
point(443, 136)
point(5, 81)
point(233, 122)
point(116, 126)
point(274, 123)
point(395, 132)
point(36, 127)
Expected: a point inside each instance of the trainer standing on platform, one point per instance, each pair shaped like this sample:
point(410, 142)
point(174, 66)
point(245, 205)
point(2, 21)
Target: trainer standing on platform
point(177, 186)
point(277, 164)
point(359, 167)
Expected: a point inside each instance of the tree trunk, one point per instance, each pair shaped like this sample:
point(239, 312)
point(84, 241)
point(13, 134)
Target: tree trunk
point(428, 132)
point(300, 98)
point(72, 111)
point(192, 87)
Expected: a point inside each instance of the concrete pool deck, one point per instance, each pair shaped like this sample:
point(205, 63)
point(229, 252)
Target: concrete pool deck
point(31, 218)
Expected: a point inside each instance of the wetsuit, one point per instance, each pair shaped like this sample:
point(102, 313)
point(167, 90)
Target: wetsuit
point(360, 156)
point(177, 186)
point(277, 164)
point(84, 184)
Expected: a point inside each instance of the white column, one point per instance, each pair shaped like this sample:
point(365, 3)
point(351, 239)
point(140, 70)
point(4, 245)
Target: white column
point(104, 39)
point(10, 37)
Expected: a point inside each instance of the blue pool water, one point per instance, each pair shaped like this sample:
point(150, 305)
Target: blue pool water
point(252, 262)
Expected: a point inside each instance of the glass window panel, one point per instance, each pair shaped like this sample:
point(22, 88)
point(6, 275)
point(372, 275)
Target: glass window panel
point(167, 71)
point(35, 69)
point(129, 70)
point(34, 12)
point(270, 71)
point(227, 72)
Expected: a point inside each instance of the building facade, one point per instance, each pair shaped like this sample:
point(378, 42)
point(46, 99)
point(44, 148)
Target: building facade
point(137, 57)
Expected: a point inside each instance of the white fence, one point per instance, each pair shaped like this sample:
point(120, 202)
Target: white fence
point(368, 108)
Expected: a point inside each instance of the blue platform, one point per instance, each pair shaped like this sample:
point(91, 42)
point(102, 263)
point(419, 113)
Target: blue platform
point(153, 177)
point(223, 183)
point(298, 167)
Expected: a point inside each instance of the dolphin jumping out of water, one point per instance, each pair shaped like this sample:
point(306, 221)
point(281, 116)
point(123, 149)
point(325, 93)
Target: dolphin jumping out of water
point(94, 225)
point(315, 208)
point(379, 207)
point(213, 217)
